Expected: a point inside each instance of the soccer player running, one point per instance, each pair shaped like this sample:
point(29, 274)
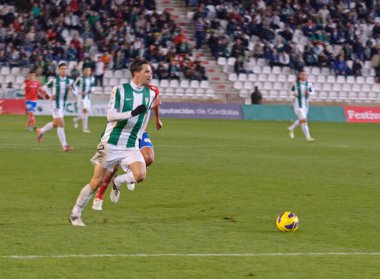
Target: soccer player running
point(127, 115)
point(57, 89)
point(32, 88)
point(146, 148)
point(301, 91)
point(85, 86)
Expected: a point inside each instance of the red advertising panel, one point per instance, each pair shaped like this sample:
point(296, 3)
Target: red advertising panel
point(12, 106)
point(362, 114)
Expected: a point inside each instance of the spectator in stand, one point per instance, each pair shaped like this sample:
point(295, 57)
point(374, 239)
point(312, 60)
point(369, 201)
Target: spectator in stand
point(284, 59)
point(74, 73)
point(173, 70)
point(213, 43)
point(99, 72)
point(199, 32)
point(200, 71)
point(237, 49)
point(161, 71)
point(258, 50)
point(357, 67)
point(256, 97)
point(340, 66)
point(375, 62)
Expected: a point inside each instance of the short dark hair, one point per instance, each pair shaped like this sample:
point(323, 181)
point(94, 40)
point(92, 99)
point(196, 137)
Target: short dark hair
point(62, 64)
point(136, 65)
point(31, 72)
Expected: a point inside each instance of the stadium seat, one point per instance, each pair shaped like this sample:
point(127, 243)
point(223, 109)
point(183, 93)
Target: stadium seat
point(346, 87)
point(317, 86)
point(242, 77)
point(362, 97)
point(342, 96)
point(238, 85)
point(370, 80)
point(350, 80)
point(257, 69)
point(20, 79)
point(376, 88)
point(174, 83)
point(337, 87)
point(184, 83)
point(330, 79)
point(108, 74)
point(356, 87)
point(2, 79)
point(118, 74)
point(292, 78)
point(248, 85)
point(372, 96)
point(276, 70)
point(244, 93)
point(5, 71)
point(277, 86)
point(98, 90)
point(268, 86)
point(180, 92)
point(252, 77)
point(321, 79)
point(352, 96)
point(232, 77)
point(123, 80)
point(266, 70)
point(286, 70)
point(315, 71)
point(341, 79)
point(262, 77)
point(312, 78)
point(10, 78)
point(282, 78)
point(326, 87)
point(164, 83)
point(205, 84)
point(15, 71)
point(332, 96)
point(194, 84)
point(222, 61)
point(322, 96)
point(231, 61)
point(107, 90)
point(113, 82)
point(366, 87)
point(360, 80)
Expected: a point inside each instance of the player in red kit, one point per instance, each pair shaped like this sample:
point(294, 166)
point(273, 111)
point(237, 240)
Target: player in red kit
point(32, 89)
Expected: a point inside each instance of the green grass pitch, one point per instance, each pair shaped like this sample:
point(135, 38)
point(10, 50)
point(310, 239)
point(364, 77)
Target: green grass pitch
point(207, 208)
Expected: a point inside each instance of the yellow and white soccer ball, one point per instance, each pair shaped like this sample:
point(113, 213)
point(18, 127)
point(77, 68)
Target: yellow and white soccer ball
point(287, 222)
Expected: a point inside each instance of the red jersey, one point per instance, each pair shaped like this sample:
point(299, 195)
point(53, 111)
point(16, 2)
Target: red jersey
point(31, 89)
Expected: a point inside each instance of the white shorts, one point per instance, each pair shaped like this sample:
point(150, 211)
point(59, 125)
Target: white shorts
point(84, 104)
point(57, 113)
point(301, 113)
point(108, 156)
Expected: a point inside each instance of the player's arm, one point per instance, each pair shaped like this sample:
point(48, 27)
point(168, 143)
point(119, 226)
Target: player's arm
point(293, 90)
point(72, 88)
point(41, 92)
point(48, 88)
point(156, 112)
point(311, 89)
point(155, 106)
point(92, 86)
point(114, 110)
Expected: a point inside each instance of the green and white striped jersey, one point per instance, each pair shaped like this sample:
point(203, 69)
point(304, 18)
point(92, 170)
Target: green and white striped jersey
point(126, 133)
point(86, 86)
point(299, 90)
point(58, 87)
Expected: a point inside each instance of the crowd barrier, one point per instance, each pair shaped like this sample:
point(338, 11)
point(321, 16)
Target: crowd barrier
point(218, 111)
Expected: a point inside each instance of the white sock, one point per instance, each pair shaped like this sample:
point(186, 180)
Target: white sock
point(125, 178)
point(77, 118)
point(84, 196)
point(294, 125)
point(47, 127)
point(305, 130)
point(85, 121)
point(62, 136)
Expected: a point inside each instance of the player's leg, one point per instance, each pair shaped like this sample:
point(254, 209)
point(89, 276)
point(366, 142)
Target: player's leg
point(304, 126)
point(97, 204)
point(146, 148)
point(85, 113)
point(136, 173)
point(54, 124)
point(85, 195)
point(295, 124)
point(61, 134)
point(30, 108)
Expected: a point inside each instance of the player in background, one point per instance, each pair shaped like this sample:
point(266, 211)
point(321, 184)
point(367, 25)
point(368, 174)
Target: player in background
point(301, 90)
point(85, 87)
point(146, 148)
point(32, 89)
point(127, 116)
point(57, 89)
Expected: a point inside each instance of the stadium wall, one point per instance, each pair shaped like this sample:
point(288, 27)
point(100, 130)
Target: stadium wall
point(217, 111)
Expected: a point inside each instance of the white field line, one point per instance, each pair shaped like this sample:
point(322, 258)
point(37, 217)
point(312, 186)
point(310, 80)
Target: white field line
point(312, 254)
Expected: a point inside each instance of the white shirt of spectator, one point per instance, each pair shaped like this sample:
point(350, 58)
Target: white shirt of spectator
point(99, 68)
